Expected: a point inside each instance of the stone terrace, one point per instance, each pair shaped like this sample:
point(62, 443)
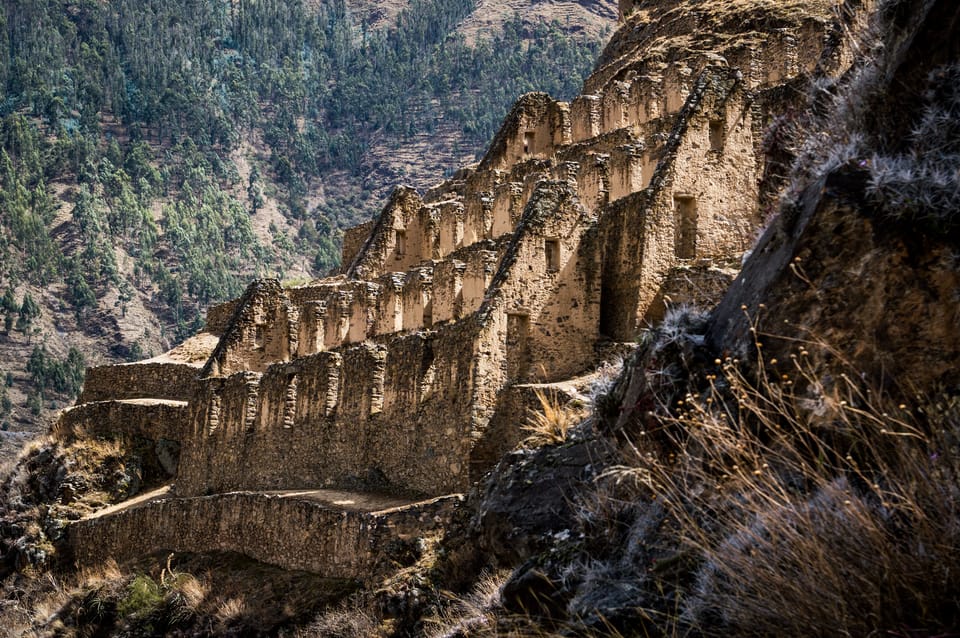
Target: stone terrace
point(401, 375)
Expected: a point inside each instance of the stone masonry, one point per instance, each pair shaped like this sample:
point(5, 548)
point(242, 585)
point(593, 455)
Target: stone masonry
point(583, 222)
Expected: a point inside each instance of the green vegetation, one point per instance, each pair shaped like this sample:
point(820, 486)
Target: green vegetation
point(143, 597)
point(47, 372)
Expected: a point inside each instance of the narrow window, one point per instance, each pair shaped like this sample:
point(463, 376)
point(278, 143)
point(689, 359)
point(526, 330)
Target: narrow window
point(685, 223)
point(718, 135)
point(258, 337)
point(401, 243)
point(518, 346)
point(427, 299)
point(551, 252)
point(528, 142)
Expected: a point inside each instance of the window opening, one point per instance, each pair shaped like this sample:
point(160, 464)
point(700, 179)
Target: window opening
point(551, 251)
point(685, 223)
point(528, 142)
point(718, 135)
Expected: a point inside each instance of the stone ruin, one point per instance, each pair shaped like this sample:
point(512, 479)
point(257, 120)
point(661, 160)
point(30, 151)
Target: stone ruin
point(311, 426)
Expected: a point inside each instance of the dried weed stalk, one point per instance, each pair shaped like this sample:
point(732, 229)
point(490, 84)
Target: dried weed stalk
point(815, 504)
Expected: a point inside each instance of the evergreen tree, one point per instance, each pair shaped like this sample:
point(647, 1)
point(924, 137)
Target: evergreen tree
point(29, 310)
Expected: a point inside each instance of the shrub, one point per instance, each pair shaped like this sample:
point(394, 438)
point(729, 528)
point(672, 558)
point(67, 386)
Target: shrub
point(144, 596)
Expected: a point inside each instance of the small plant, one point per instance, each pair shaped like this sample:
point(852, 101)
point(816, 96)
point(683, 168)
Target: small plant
point(550, 424)
point(144, 596)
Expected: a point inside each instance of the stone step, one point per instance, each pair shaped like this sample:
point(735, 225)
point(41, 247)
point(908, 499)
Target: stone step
point(338, 534)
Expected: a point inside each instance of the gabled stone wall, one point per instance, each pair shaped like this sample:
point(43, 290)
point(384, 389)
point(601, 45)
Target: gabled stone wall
point(534, 129)
point(262, 330)
point(701, 202)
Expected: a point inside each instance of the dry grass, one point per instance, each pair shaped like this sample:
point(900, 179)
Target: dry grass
point(557, 414)
point(815, 505)
point(92, 577)
point(231, 610)
point(193, 590)
point(343, 621)
point(474, 613)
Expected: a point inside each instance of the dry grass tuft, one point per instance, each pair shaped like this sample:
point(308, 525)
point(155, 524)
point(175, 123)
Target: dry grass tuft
point(231, 610)
point(343, 621)
point(193, 590)
point(550, 424)
point(476, 613)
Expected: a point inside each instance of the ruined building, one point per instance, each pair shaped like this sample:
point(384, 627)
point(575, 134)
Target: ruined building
point(309, 426)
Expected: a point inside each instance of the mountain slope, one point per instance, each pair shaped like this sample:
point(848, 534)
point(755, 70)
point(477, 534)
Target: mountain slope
point(155, 156)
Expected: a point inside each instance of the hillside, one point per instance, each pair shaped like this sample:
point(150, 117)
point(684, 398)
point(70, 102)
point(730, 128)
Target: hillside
point(675, 357)
point(155, 156)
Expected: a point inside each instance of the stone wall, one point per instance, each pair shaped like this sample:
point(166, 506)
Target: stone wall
point(535, 127)
point(218, 317)
point(288, 532)
point(263, 329)
point(396, 415)
point(697, 285)
point(353, 242)
point(146, 379)
point(701, 202)
point(394, 243)
point(546, 294)
point(151, 419)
